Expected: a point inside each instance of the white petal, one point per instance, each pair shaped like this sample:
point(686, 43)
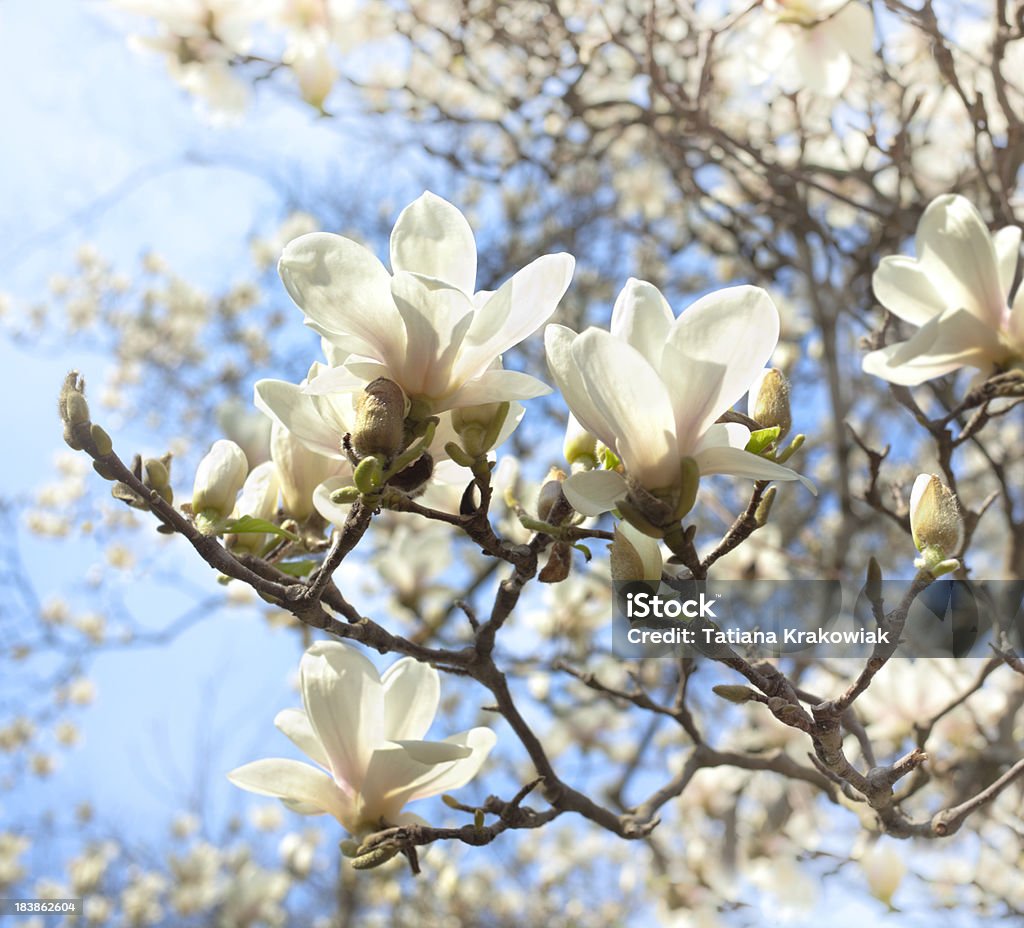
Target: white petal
point(335, 513)
point(441, 778)
point(294, 723)
point(853, 28)
point(1007, 245)
point(642, 317)
point(343, 698)
point(343, 289)
point(432, 753)
point(287, 405)
point(909, 374)
point(902, 287)
point(516, 310)
point(412, 690)
point(432, 238)
point(631, 397)
point(592, 492)
point(1016, 324)
point(822, 61)
point(955, 249)
point(716, 349)
point(294, 781)
point(558, 346)
point(494, 386)
point(335, 380)
point(740, 463)
point(725, 435)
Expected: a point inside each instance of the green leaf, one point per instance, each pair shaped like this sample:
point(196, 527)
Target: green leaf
point(297, 568)
point(762, 439)
point(609, 459)
point(249, 525)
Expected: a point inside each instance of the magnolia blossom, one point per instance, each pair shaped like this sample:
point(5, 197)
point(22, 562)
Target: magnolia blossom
point(219, 477)
point(421, 326)
point(653, 388)
point(365, 734)
point(957, 290)
point(813, 44)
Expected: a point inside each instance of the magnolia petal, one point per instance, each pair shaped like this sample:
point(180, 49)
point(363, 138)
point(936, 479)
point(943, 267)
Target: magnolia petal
point(715, 350)
point(480, 741)
point(343, 289)
point(515, 311)
point(631, 397)
point(432, 753)
point(558, 346)
point(642, 317)
point(592, 492)
point(725, 435)
point(343, 698)
point(822, 60)
point(287, 405)
point(955, 334)
point(1007, 245)
point(853, 28)
point(336, 380)
point(740, 463)
point(910, 373)
point(902, 287)
point(294, 723)
point(335, 513)
point(412, 691)
point(1016, 324)
point(494, 386)
point(955, 249)
point(431, 237)
point(299, 784)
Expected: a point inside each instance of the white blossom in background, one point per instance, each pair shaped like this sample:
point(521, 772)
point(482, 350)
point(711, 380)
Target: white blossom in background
point(884, 868)
point(365, 733)
point(814, 44)
point(421, 326)
point(957, 291)
point(653, 387)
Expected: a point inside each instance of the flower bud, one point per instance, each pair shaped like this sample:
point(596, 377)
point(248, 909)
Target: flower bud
point(74, 411)
point(380, 419)
point(219, 477)
point(478, 427)
point(768, 401)
point(634, 555)
point(579, 447)
point(299, 471)
point(883, 869)
point(551, 495)
point(258, 499)
point(935, 517)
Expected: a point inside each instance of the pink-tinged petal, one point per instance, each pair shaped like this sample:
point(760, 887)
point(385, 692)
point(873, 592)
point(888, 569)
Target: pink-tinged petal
point(592, 492)
point(515, 311)
point(300, 785)
point(343, 698)
point(642, 317)
point(716, 349)
point(494, 386)
point(344, 290)
point(955, 249)
point(412, 691)
point(300, 414)
point(902, 287)
point(740, 463)
point(436, 318)
point(1007, 245)
point(631, 397)
point(432, 238)
point(558, 346)
point(294, 723)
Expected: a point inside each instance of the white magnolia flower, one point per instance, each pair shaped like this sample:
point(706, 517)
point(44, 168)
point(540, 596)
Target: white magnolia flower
point(813, 44)
point(219, 477)
point(365, 733)
point(957, 290)
point(653, 388)
point(421, 326)
point(300, 470)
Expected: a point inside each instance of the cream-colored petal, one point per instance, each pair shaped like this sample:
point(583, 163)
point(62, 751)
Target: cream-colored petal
point(592, 492)
point(294, 723)
point(431, 237)
point(412, 691)
point(301, 785)
point(642, 317)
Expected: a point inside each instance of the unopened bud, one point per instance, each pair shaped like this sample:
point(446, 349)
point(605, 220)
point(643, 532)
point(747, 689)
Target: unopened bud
point(219, 477)
point(101, 440)
point(158, 475)
point(873, 583)
point(764, 508)
point(551, 495)
point(733, 693)
point(74, 411)
point(368, 475)
point(478, 427)
point(768, 401)
point(345, 496)
point(634, 555)
point(579, 447)
point(259, 500)
point(380, 419)
point(689, 483)
point(375, 857)
point(935, 518)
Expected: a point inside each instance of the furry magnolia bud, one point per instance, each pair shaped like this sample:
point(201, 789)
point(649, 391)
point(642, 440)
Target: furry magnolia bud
point(935, 518)
point(634, 556)
point(768, 401)
point(380, 419)
point(74, 411)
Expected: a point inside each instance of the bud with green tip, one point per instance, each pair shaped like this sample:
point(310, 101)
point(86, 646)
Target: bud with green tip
point(219, 477)
point(368, 475)
point(734, 693)
point(551, 496)
point(768, 401)
point(634, 556)
point(936, 524)
point(478, 427)
point(380, 419)
point(74, 411)
point(579, 447)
